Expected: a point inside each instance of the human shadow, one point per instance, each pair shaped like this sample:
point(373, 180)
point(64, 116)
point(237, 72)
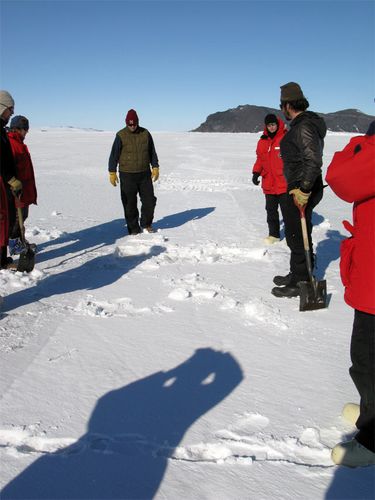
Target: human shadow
point(180, 218)
point(316, 219)
point(100, 235)
point(93, 274)
point(352, 483)
point(327, 251)
point(131, 434)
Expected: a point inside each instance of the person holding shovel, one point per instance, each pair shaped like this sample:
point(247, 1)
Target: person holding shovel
point(351, 177)
point(301, 152)
point(19, 127)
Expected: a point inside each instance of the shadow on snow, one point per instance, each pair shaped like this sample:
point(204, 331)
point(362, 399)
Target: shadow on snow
point(131, 434)
point(101, 235)
point(181, 218)
point(352, 484)
point(93, 274)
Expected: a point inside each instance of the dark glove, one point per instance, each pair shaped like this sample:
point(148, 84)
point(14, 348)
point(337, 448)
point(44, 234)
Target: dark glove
point(255, 178)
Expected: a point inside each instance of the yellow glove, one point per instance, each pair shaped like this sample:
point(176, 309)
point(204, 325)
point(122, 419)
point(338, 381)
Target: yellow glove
point(155, 174)
point(300, 198)
point(113, 179)
point(15, 184)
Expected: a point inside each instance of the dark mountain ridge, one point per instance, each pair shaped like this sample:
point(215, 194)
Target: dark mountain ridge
point(250, 118)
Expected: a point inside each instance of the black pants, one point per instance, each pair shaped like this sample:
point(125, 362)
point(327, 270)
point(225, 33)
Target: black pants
point(14, 229)
point(131, 185)
point(12, 213)
point(272, 208)
point(293, 234)
point(12, 221)
point(362, 372)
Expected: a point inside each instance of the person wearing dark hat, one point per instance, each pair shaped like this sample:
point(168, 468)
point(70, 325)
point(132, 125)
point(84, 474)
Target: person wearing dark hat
point(19, 127)
point(133, 152)
point(269, 166)
point(10, 185)
point(301, 151)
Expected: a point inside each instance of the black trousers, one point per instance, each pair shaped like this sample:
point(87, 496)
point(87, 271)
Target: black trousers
point(362, 372)
point(12, 213)
point(293, 234)
point(12, 222)
point(14, 230)
point(273, 201)
point(132, 185)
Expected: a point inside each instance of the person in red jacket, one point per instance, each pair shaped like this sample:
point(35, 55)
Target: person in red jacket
point(19, 127)
point(269, 166)
point(10, 186)
point(351, 175)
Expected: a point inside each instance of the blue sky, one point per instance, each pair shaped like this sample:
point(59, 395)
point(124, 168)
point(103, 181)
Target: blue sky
point(85, 63)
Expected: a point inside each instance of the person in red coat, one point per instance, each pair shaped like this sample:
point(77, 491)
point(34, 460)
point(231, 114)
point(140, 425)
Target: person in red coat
point(10, 186)
point(351, 175)
point(19, 127)
point(269, 166)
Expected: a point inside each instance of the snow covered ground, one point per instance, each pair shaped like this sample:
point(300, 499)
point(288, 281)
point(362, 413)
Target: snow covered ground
point(160, 365)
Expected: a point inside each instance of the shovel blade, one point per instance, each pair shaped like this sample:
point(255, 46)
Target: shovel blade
point(26, 261)
point(310, 299)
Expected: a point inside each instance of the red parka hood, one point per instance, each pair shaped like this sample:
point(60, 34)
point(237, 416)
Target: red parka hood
point(16, 136)
point(280, 131)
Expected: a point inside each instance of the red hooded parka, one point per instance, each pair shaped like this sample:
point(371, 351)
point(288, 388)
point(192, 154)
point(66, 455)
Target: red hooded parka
point(269, 163)
point(25, 170)
point(351, 175)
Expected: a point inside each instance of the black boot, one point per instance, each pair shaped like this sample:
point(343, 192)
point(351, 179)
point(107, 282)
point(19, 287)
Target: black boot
point(286, 291)
point(283, 280)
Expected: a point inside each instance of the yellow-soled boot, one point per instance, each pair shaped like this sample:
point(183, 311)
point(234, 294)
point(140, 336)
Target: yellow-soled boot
point(270, 240)
point(352, 454)
point(350, 413)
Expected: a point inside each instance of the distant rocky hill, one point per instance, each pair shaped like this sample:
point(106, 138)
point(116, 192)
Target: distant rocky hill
point(250, 118)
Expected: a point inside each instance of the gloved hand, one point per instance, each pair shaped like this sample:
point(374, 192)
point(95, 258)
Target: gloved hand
point(155, 174)
point(113, 179)
point(300, 198)
point(15, 185)
point(255, 178)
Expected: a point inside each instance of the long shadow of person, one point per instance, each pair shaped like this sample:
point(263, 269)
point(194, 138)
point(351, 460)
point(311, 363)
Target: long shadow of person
point(131, 434)
point(328, 251)
point(100, 235)
point(352, 484)
point(93, 274)
point(181, 218)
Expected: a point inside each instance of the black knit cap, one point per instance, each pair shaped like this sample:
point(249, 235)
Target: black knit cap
point(271, 118)
point(20, 122)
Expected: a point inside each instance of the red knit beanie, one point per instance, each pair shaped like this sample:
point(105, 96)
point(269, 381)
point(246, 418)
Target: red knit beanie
point(131, 117)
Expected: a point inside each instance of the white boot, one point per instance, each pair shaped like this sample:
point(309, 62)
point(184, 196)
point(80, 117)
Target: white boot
point(352, 454)
point(350, 413)
point(270, 240)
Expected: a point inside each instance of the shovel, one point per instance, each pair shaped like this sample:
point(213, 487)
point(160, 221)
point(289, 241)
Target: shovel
point(26, 261)
point(313, 293)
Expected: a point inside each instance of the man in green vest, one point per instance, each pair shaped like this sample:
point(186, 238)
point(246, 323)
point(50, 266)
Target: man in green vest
point(133, 152)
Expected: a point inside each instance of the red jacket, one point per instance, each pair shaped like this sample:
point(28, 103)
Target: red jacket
point(269, 163)
point(351, 175)
point(25, 170)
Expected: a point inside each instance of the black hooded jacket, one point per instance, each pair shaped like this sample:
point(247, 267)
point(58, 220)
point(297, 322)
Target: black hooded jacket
point(302, 151)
